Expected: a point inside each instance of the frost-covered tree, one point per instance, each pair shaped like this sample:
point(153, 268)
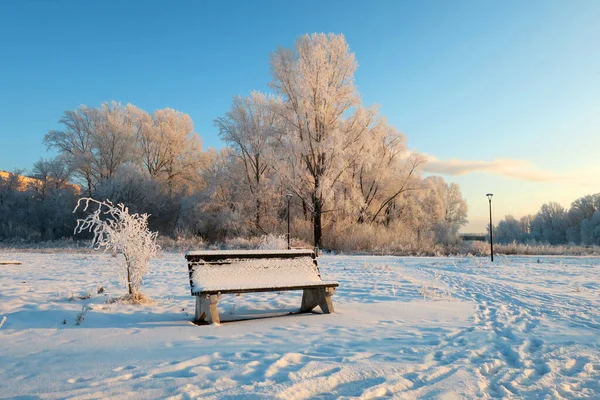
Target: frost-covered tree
point(15, 207)
point(35, 207)
point(251, 127)
point(98, 141)
point(180, 158)
point(327, 127)
point(590, 229)
point(446, 208)
point(525, 226)
point(52, 198)
point(50, 174)
point(581, 209)
point(116, 230)
point(554, 225)
point(113, 139)
point(384, 171)
point(508, 230)
point(448, 204)
point(550, 224)
point(75, 143)
point(348, 169)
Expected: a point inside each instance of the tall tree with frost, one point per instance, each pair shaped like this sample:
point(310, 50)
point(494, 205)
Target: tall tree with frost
point(323, 113)
point(75, 142)
point(182, 157)
point(581, 209)
point(590, 230)
point(113, 139)
point(550, 224)
point(115, 229)
point(250, 128)
point(446, 207)
point(508, 230)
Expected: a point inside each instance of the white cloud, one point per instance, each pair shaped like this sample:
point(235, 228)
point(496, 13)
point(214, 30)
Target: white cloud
point(510, 168)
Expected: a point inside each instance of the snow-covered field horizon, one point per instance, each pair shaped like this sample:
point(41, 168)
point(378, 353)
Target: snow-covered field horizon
point(404, 327)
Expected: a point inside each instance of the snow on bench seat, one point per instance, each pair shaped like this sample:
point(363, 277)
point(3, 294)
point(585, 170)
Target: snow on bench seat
point(213, 273)
point(256, 274)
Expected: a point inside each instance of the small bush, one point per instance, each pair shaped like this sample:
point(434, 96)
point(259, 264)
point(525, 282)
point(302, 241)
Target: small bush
point(273, 242)
point(476, 248)
point(379, 239)
point(118, 231)
point(81, 316)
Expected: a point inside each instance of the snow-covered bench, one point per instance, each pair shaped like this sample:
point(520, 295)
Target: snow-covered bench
point(213, 273)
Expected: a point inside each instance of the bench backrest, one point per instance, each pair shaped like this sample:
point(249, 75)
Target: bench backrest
point(244, 270)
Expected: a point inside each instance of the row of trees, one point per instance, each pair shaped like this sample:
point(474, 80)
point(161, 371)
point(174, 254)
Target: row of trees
point(346, 168)
point(37, 208)
point(343, 163)
point(97, 142)
point(554, 224)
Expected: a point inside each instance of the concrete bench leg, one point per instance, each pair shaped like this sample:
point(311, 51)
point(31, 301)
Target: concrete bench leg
point(327, 305)
point(206, 309)
point(317, 297)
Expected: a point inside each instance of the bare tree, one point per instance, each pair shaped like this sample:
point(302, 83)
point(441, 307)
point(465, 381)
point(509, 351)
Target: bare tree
point(169, 149)
point(316, 80)
point(75, 142)
point(50, 174)
point(250, 128)
point(446, 208)
point(183, 157)
point(113, 139)
point(508, 230)
point(581, 209)
point(550, 224)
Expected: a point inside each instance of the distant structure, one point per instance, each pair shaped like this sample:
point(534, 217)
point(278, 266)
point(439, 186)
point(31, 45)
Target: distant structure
point(27, 182)
point(473, 237)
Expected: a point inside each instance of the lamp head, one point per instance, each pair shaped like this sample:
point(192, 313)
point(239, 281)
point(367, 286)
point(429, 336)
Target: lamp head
point(489, 196)
point(289, 196)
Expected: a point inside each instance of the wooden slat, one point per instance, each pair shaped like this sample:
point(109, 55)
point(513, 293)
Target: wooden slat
point(269, 289)
point(244, 256)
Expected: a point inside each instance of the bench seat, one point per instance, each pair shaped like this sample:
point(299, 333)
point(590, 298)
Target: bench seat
point(213, 273)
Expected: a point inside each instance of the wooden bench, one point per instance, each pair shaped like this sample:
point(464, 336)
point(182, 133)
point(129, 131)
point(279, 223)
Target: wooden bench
point(213, 273)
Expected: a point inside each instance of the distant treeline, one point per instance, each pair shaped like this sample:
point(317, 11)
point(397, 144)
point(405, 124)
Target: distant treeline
point(351, 181)
point(554, 224)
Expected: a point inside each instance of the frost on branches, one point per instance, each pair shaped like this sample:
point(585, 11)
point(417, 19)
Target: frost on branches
point(118, 231)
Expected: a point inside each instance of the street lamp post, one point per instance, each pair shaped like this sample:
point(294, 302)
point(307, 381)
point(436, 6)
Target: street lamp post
point(489, 196)
point(289, 197)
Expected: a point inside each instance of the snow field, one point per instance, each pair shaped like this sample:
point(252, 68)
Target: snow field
point(403, 328)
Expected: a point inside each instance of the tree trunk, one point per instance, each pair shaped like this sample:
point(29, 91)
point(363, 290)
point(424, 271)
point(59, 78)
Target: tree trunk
point(257, 213)
point(304, 210)
point(88, 178)
point(317, 229)
point(129, 284)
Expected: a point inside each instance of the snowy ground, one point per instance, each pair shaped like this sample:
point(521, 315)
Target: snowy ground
point(517, 328)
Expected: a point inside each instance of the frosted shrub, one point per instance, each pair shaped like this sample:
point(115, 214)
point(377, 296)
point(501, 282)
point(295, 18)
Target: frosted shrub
point(477, 248)
point(118, 231)
point(81, 316)
point(240, 243)
point(273, 242)
point(377, 239)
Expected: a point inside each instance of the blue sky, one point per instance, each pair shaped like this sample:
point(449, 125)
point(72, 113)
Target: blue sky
point(503, 96)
